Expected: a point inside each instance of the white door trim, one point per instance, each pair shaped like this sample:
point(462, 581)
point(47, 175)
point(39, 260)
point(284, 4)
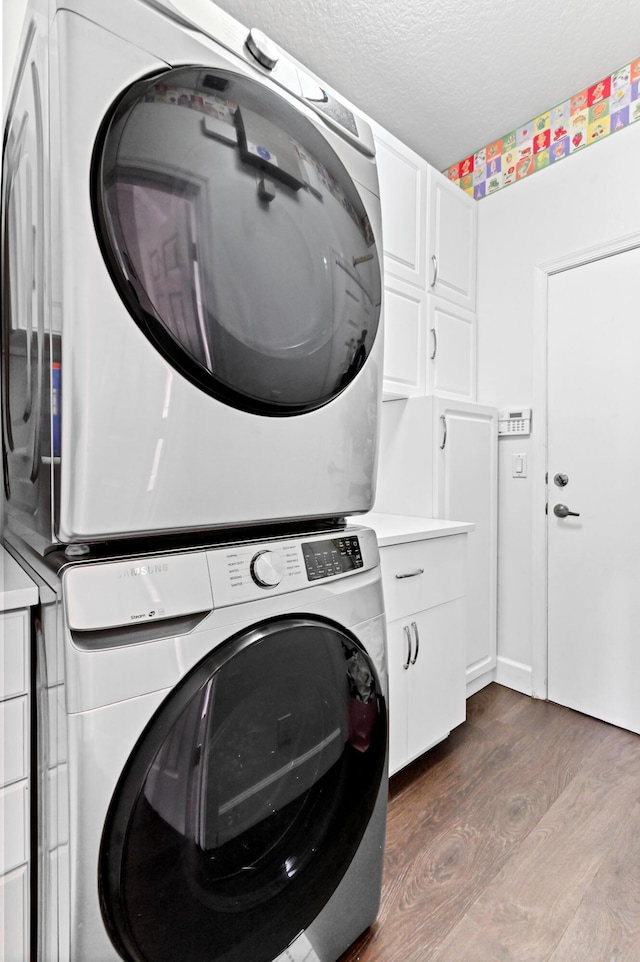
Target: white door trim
point(542, 272)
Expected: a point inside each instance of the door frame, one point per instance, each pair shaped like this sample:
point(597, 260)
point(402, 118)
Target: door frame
point(539, 447)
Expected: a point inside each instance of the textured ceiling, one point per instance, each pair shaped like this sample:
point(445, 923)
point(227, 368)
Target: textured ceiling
point(449, 76)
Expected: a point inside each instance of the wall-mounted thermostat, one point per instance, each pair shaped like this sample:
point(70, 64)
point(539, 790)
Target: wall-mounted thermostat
point(516, 421)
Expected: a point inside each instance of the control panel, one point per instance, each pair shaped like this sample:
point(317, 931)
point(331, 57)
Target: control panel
point(335, 556)
point(246, 571)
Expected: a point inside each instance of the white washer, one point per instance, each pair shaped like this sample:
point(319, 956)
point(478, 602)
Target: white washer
point(212, 752)
point(193, 295)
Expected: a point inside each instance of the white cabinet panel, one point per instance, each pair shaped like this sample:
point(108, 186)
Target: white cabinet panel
point(17, 590)
point(405, 313)
point(14, 757)
point(13, 659)
point(453, 235)
point(402, 176)
point(451, 366)
point(14, 933)
point(14, 847)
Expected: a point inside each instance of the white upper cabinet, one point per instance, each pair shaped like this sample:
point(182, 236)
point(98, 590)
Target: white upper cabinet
point(453, 233)
point(429, 240)
point(451, 350)
point(402, 176)
point(405, 352)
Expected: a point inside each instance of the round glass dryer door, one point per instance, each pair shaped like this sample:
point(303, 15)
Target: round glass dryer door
point(237, 240)
point(246, 797)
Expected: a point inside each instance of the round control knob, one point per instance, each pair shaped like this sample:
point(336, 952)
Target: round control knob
point(267, 569)
point(263, 49)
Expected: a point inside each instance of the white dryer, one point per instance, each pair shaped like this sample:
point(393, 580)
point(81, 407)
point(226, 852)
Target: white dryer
point(212, 752)
point(191, 280)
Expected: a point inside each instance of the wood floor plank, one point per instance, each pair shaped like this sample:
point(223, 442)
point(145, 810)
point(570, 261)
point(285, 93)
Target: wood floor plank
point(524, 912)
point(470, 816)
point(607, 923)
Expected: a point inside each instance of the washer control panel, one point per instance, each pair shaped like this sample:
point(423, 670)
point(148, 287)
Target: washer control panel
point(247, 571)
point(334, 556)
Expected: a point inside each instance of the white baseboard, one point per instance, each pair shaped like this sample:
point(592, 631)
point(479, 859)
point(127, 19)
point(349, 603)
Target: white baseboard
point(480, 681)
point(514, 674)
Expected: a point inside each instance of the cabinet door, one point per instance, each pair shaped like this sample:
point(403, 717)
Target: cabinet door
point(465, 481)
point(402, 176)
point(427, 689)
point(436, 675)
point(453, 229)
point(451, 341)
point(398, 656)
point(405, 321)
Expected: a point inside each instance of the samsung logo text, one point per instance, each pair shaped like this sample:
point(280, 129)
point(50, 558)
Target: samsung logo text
point(139, 570)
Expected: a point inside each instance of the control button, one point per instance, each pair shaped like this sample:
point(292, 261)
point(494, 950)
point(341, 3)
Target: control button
point(267, 569)
point(264, 51)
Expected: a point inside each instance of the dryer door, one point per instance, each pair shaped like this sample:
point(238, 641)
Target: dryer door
point(246, 797)
point(237, 239)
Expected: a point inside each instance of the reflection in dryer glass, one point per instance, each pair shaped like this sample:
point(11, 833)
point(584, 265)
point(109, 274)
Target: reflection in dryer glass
point(238, 239)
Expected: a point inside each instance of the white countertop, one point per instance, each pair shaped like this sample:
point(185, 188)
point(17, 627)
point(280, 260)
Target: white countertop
point(17, 590)
point(400, 528)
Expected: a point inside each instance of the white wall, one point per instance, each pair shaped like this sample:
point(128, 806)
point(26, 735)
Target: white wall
point(584, 201)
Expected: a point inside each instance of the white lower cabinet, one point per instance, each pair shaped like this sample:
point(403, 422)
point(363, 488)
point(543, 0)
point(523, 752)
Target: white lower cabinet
point(14, 917)
point(438, 459)
point(424, 584)
point(426, 680)
point(14, 760)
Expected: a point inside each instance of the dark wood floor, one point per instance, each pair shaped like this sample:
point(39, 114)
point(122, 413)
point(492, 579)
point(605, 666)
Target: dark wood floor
point(515, 840)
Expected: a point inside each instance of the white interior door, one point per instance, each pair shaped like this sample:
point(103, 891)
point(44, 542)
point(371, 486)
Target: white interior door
point(594, 440)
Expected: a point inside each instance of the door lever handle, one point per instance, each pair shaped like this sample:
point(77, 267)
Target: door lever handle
point(562, 511)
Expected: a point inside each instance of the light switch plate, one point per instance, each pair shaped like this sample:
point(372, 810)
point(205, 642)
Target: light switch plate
point(519, 465)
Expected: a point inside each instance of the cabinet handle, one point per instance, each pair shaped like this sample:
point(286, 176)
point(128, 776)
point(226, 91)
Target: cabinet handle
point(417, 637)
point(408, 634)
point(434, 336)
point(444, 431)
point(434, 261)
point(410, 574)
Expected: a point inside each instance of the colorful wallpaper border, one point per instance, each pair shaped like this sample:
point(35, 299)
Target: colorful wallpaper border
point(588, 116)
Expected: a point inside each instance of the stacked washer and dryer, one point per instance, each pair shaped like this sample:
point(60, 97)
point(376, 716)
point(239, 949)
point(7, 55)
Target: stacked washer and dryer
point(191, 381)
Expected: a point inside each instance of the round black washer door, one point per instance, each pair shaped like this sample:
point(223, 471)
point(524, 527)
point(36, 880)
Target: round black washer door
point(245, 799)
point(237, 239)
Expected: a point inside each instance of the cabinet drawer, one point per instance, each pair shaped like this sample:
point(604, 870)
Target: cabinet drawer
point(13, 653)
point(421, 574)
point(14, 847)
point(14, 741)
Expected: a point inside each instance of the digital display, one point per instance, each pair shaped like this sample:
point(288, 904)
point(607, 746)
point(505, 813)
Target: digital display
point(335, 556)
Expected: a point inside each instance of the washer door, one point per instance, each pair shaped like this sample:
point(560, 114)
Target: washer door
point(246, 798)
point(237, 240)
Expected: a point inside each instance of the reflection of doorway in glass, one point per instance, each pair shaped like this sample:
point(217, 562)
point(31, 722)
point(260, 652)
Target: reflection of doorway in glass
point(159, 222)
